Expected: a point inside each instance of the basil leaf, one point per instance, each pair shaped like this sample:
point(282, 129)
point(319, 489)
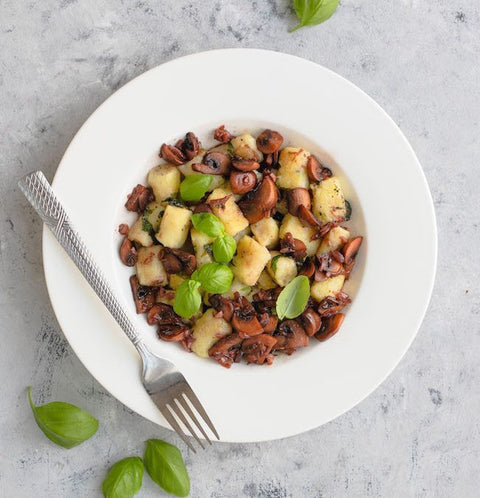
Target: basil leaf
point(187, 299)
point(312, 12)
point(292, 300)
point(194, 187)
point(63, 423)
point(164, 464)
point(214, 277)
point(224, 247)
point(124, 479)
point(208, 224)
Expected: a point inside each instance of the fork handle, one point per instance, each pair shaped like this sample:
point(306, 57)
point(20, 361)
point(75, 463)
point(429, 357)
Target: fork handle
point(41, 196)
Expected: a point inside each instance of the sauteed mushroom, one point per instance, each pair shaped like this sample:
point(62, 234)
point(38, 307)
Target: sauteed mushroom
point(350, 249)
point(295, 247)
point(290, 336)
point(227, 350)
point(268, 322)
point(128, 253)
point(222, 135)
point(317, 172)
point(245, 164)
point(242, 182)
point(257, 349)
point(258, 203)
point(143, 296)
point(330, 326)
point(202, 208)
point(214, 163)
point(176, 260)
point(172, 332)
point(297, 197)
point(172, 154)
point(269, 141)
point(331, 305)
point(245, 320)
point(222, 305)
point(310, 321)
point(162, 314)
point(139, 198)
point(190, 146)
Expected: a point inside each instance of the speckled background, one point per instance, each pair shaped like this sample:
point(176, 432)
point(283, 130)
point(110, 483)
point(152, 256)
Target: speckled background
point(419, 433)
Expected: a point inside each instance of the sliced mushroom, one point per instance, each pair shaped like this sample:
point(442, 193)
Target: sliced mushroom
point(128, 253)
point(190, 146)
point(290, 336)
point(316, 172)
point(269, 141)
point(245, 320)
point(188, 262)
point(295, 247)
point(223, 305)
point(222, 135)
point(310, 321)
point(171, 263)
point(257, 349)
point(227, 350)
point(268, 322)
point(350, 249)
point(258, 203)
point(330, 326)
point(214, 163)
point(245, 164)
point(139, 198)
point(172, 154)
point(323, 230)
point(308, 268)
point(143, 296)
point(297, 197)
point(202, 208)
point(172, 332)
point(123, 229)
point(162, 314)
point(242, 182)
point(307, 216)
point(332, 305)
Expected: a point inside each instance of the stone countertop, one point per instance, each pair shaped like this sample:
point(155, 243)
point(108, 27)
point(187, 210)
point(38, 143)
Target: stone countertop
point(419, 433)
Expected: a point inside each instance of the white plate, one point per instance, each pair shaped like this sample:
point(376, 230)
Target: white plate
point(315, 108)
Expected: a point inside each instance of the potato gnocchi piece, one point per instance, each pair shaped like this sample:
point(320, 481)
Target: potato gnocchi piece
point(328, 287)
point(250, 260)
point(299, 231)
point(150, 270)
point(174, 227)
point(139, 233)
point(176, 280)
point(265, 281)
point(334, 240)
point(293, 168)
point(238, 286)
point(283, 269)
point(200, 241)
point(245, 146)
point(230, 214)
point(329, 201)
point(153, 214)
point(266, 232)
point(207, 331)
point(165, 181)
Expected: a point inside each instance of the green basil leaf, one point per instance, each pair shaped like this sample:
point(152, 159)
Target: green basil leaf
point(208, 224)
point(312, 12)
point(187, 299)
point(63, 423)
point(224, 247)
point(124, 479)
point(164, 464)
point(292, 300)
point(214, 277)
point(194, 187)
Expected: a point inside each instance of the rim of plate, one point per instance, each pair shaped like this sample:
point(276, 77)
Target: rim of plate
point(56, 263)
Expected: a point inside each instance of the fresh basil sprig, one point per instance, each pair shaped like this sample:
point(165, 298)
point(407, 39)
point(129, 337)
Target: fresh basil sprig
point(164, 464)
point(63, 423)
point(187, 298)
point(214, 277)
point(224, 247)
point(208, 224)
point(124, 479)
point(194, 187)
point(294, 297)
point(313, 12)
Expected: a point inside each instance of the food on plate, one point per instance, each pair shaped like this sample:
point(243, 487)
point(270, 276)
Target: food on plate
point(241, 252)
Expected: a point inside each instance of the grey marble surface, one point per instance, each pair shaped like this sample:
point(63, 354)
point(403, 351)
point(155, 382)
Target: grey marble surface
point(419, 434)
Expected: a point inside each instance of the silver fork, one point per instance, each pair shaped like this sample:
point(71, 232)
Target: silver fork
point(165, 384)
